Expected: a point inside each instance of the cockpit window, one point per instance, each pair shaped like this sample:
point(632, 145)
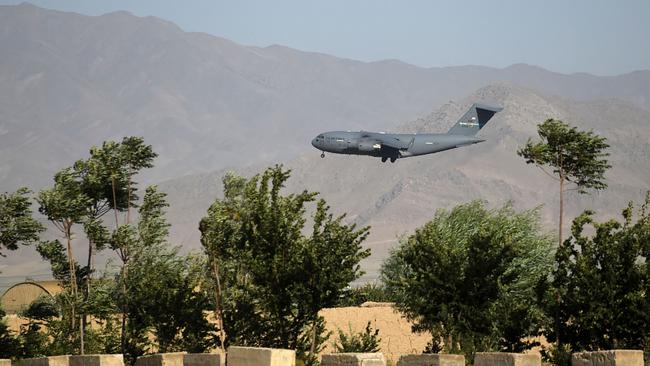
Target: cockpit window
point(320, 136)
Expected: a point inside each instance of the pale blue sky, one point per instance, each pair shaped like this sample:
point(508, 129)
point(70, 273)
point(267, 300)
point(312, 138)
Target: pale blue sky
point(594, 36)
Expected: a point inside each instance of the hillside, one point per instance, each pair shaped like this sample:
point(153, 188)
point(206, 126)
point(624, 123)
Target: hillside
point(396, 198)
point(69, 81)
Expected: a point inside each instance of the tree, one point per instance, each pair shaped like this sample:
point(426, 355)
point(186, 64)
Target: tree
point(604, 283)
point(17, 226)
point(363, 342)
point(270, 279)
point(577, 158)
point(65, 205)
point(8, 342)
point(163, 292)
point(469, 277)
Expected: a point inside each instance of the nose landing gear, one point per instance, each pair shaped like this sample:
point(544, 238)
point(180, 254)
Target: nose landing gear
point(322, 155)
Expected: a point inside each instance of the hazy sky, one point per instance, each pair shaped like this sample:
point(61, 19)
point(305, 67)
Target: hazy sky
point(595, 36)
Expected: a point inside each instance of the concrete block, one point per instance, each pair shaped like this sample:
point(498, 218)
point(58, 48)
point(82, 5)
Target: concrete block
point(431, 359)
point(46, 361)
point(204, 359)
point(507, 359)
point(252, 356)
point(97, 360)
point(617, 357)
point(353, 359)
point(5, 362)
point(161, 359)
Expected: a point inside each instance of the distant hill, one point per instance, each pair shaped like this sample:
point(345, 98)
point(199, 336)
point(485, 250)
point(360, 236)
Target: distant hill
point(69, 81)
point(396, 198)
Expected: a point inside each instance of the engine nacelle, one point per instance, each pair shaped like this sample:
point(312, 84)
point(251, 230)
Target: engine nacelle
point(369, 145)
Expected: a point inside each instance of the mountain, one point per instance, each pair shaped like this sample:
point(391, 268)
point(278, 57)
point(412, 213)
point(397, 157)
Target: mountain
point(394, 199)
point(69, 81)
point(207, 104)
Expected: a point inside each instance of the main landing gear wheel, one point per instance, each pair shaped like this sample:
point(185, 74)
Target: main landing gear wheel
point(322, 155)
point(392, 160)
point(383, 159)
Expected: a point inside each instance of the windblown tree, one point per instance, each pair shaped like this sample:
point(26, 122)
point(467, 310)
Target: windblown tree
point(17, 226)
point(469, 277)
point(577, 159)
point(604, 281)
point(270, 279)
point(65, 205)
point(163, 292)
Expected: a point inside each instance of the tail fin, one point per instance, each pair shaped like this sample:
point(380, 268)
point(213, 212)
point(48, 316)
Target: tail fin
point(474, 119)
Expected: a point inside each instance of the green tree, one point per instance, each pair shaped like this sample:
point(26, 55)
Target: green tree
point(9, 343)
point(65, 205)
point(469, 277)
point(17, 226)
point(576, 157)
point(270, 279)
point(604, 283)
point(363, 342)
point(163, 292)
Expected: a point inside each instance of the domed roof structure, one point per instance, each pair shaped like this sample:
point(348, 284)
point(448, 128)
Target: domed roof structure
point(19, 296)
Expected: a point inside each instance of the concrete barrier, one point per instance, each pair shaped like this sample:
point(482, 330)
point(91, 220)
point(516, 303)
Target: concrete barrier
point(161, 359)
point(615, 357)
point(46, 361)
point(204, 359)
point(252, 356)
point(507, 359)
point(431, 359)
point(5, 362)
point(353, 359)
point(96, 360)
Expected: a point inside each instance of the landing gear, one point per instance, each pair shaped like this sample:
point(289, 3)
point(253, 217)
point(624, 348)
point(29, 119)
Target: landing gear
point(322, 155)
point(392, 160)
point(383, 159)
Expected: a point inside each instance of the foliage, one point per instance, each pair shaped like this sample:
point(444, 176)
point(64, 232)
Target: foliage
point(363, 342)
point(603, 282)
point(469, 277)
point(577, 158)
point(159, 281)
point(271, 280)
point(8, 342)
point(355, 296)
point(17, 226)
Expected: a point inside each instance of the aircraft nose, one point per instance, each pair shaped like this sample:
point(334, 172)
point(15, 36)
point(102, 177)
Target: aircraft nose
point(314, 142)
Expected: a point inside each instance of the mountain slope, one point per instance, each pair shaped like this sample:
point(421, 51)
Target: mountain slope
point(396, 198)
point(69, 81)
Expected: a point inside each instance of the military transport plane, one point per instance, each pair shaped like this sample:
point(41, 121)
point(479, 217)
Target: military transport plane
point(394, 146)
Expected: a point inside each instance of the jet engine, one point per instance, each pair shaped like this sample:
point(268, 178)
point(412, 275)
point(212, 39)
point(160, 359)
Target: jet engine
point(369, 145)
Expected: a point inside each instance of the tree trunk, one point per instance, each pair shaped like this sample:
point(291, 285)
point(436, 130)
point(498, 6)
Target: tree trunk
point(218, 307)
point(314, 335)
point(561, 210)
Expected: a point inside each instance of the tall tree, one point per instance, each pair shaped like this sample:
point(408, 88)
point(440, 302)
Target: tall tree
point(65, 205)
point(163, 294)
point(272, 280)
point(17, 226)
point(604, 281)
point(469, 276)
point(576, 157)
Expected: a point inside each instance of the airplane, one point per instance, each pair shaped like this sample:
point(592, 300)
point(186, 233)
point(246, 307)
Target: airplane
point(395, 146)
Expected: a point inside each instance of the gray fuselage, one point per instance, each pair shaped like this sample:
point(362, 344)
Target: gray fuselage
point(388, 145)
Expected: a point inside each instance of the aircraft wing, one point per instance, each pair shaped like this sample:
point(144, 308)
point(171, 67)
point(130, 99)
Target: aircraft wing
point(393, 141)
